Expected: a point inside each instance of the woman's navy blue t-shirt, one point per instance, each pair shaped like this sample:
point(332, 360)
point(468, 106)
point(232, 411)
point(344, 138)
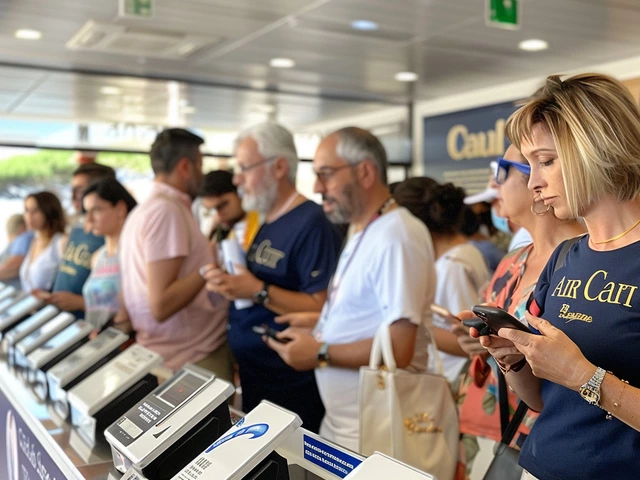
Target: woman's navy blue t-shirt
point(595, 300)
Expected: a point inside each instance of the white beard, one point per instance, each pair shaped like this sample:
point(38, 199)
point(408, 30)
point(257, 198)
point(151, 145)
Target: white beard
point(263, 199)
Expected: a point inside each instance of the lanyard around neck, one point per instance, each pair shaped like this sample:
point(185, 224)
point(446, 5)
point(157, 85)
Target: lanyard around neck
point(336, 280)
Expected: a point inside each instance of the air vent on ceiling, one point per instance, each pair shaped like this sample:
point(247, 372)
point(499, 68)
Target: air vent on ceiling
point(141, 42)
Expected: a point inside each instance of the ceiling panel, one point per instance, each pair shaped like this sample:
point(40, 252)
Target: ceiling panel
point(446, 42)
point(78, 97)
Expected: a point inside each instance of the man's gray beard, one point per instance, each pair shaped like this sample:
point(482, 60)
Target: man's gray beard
point(263, 200)
point(338, 216)
point(343, 213)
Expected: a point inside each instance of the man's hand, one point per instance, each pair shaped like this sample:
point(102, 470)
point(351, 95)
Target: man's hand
point(301, 352)
point(241, 285)
point(66, 301)
point(299, 319)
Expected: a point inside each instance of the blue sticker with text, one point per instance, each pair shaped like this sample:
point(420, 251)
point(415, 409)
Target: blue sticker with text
point(256, 431)
point(329, 458)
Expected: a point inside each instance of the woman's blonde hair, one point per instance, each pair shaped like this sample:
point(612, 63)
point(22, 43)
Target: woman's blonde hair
point(595, 125)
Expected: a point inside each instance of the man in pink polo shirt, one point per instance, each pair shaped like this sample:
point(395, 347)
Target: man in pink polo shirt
point(161, 252)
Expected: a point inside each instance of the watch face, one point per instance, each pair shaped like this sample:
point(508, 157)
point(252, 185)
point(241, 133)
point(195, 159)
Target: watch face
point(590, 396)
point(261, 297)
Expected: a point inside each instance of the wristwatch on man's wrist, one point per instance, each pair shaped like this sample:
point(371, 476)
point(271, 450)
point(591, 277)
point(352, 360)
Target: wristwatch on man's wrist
point(590, 391)
point(323, 355)
point(262, 297)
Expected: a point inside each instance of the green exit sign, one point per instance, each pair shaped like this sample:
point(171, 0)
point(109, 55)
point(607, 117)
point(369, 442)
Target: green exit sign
point(503, 14)
point(136, 8)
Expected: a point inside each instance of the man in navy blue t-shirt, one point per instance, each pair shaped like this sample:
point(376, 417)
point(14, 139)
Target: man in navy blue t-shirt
point(289, 265)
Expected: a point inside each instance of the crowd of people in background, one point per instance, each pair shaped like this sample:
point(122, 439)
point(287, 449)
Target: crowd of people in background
point(157, 270)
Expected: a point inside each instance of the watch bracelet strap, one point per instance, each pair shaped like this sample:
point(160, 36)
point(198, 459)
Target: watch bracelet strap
point(599, 374)
point(595, 383)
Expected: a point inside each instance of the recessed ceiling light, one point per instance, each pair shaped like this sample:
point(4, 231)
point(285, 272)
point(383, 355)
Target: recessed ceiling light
point(366, 25)
point(406, 76)
point(282, 63)
point(533, 45)
point(264, 108)
point(107, 90)
point(26, 34)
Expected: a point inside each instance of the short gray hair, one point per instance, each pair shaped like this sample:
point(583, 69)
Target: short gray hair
point(356, 144)
point(273, 141)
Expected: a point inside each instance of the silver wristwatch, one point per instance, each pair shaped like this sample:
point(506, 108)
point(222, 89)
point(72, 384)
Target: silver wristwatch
point(590, 391)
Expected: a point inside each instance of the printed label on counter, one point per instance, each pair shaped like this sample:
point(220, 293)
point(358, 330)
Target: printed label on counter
point(329, 458)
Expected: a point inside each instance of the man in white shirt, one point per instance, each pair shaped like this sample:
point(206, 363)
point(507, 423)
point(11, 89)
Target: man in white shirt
point(385, 276)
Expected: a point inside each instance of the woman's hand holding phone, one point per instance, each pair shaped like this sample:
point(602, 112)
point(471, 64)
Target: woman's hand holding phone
point(503, 350)
point(470, 345)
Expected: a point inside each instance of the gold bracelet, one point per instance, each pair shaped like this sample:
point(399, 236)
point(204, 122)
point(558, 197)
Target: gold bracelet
point(616, 404)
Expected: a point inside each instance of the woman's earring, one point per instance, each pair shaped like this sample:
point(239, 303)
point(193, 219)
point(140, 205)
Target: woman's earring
point(539, 212)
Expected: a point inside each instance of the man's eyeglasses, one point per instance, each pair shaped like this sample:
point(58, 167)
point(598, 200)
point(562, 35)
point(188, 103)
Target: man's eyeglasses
point(502, 169)
point(245, 168)
point(325, 173)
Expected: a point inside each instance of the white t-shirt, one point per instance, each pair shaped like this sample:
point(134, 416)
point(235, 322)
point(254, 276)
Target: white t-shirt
point(462, 272)
point(520, 239)
point(40, 273)
point(390, 276)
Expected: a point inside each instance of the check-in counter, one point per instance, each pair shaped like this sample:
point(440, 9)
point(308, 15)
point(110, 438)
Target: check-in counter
point(181, 430)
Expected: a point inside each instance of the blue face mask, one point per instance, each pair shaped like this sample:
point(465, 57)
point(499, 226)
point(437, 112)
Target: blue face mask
point(501, 223)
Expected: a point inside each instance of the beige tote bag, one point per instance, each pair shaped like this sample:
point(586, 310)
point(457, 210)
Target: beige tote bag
point(409, 416)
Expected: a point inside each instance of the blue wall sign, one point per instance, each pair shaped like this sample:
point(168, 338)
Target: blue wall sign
point(462, 141)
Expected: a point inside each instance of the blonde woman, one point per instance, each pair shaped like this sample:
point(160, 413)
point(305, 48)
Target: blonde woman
point(581, 137)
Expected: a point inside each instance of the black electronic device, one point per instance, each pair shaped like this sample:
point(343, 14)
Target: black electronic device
point(270, 332)
point(496, 318)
